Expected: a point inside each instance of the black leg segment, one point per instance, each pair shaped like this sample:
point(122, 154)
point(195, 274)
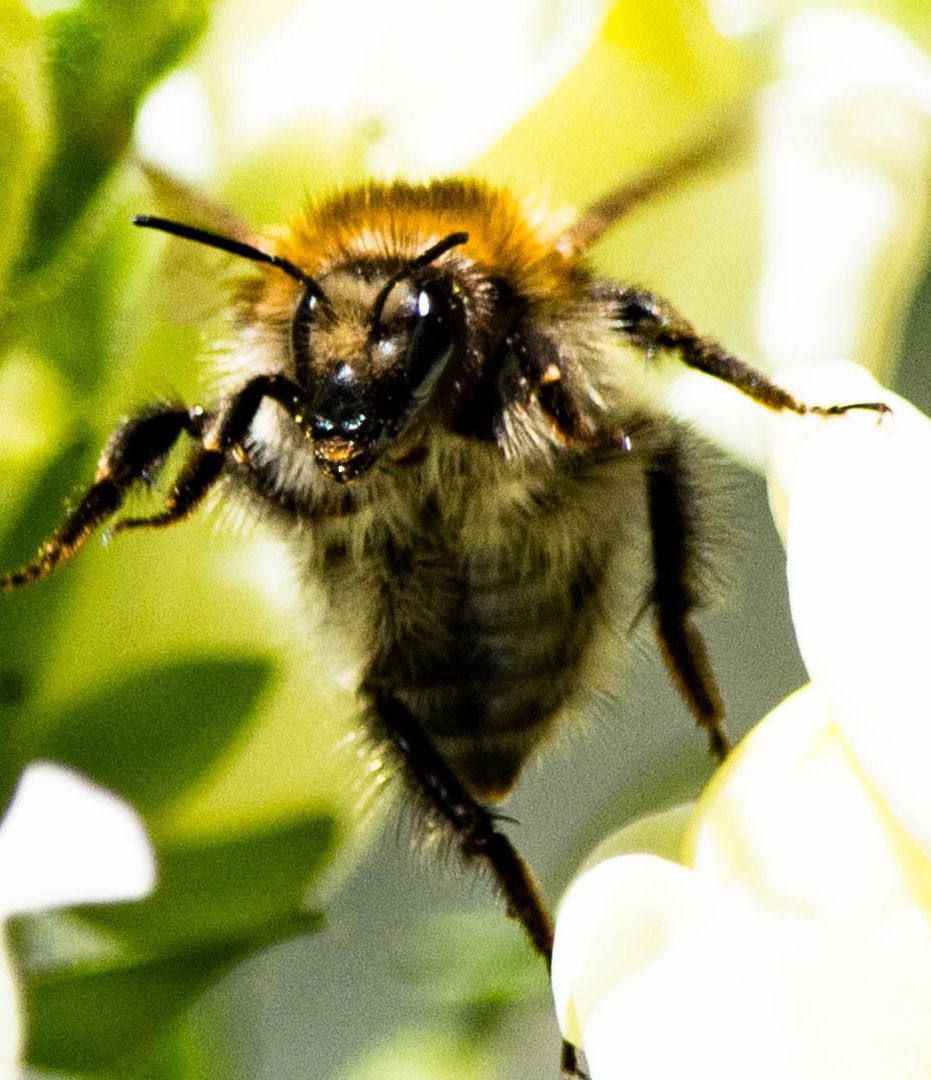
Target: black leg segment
point(652, 323)
point(675, 594)
point(206, 463)
point(474, 827)
point(135, 452)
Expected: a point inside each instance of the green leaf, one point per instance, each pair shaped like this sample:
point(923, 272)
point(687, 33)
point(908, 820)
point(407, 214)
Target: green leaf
point(151, 734)
point(110, 1018)
point(179, 1056)
point(229, 887)
point(86, 318)
point(423, 1054)
point(103, 55)
point(82, 1021)
point(24, 122)
point(105, 986)
point(18, 725)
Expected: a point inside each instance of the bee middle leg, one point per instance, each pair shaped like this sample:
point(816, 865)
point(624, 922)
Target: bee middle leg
point(675, 594)
point(475, 828)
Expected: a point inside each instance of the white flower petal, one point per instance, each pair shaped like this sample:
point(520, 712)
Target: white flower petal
point(67, 841)
point(844, 154)
point(857, 510)
point(660, 971)
point(790, 821)
point(616, 923)
point(10, 1020)
point(759, 962)
point(662, 833)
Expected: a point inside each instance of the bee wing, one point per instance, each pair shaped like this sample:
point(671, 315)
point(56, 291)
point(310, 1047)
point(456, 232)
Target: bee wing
point(187, 285)
point(719, 142)
point(174, 198)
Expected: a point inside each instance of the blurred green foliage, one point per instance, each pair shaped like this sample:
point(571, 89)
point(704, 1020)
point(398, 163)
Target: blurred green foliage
point(95, 83)
point(188, 690)
point(106, 988)
point(103, 985)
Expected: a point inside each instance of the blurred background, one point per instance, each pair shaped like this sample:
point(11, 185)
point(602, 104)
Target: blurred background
point(296, 931)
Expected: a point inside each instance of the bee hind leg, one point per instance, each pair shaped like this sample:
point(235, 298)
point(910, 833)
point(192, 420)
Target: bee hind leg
point(475, 829)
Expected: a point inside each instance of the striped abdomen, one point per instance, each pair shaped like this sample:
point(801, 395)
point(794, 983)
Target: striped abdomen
point(483, 651)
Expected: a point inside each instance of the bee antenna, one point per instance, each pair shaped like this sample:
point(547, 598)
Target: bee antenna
point(228, 244)
point(423, 259)
point(455, 239)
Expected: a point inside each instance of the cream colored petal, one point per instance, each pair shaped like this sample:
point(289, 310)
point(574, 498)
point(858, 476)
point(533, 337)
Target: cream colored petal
point(660, 972)
point(790, 821)
point(616, 923)
point(855, 502)
point(845, 141)
point(65, 840)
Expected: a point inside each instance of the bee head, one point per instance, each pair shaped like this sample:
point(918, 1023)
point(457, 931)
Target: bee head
point(367, 347)
point(369, 350)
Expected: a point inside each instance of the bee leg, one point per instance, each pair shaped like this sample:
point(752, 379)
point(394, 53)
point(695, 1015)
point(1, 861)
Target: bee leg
point(203, 467)
point(475, 829)
point(674, 595)
point(135, 452)
point(473, 824)
point(652, 323)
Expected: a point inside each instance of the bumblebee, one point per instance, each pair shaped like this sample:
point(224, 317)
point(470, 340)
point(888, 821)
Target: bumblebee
point(436, 401)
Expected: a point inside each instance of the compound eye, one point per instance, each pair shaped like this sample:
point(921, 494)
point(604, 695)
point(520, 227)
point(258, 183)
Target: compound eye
point(436, 314)
point(307, 308)
point(300, 327)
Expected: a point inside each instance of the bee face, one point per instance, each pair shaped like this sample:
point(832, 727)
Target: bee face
point(368, 352)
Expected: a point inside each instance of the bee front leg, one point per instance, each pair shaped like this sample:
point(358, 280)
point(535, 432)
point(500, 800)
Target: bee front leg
point(227, 431)
point(475, 829)
point(135, 452)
